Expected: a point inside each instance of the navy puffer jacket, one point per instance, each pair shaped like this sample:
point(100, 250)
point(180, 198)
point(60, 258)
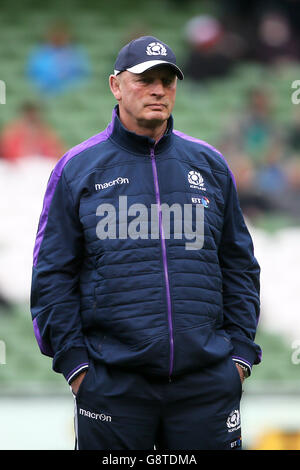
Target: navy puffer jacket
point(111, 285)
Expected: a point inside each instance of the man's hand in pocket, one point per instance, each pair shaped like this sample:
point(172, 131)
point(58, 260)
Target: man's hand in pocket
point(76, 382)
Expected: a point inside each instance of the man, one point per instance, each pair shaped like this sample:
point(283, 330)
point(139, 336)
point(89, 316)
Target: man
point(57, 65)
point(153, 336)
point(28, 136)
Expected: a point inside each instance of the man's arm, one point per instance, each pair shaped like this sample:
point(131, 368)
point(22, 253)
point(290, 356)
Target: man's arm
point(55, 297)
point(241, 285)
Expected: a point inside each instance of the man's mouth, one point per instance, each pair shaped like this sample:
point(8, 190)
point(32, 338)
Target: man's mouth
point(157, 105)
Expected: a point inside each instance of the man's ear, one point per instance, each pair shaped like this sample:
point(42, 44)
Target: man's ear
point(114, 83)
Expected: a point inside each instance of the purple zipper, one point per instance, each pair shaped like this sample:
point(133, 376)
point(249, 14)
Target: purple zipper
point(165, 263)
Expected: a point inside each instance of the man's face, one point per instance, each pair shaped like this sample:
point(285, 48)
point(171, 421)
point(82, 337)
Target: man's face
point(147, 99)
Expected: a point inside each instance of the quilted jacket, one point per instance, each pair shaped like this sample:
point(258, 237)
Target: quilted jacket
point(105, 288)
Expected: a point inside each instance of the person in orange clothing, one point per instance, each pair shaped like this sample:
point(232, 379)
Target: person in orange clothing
point(29, 136)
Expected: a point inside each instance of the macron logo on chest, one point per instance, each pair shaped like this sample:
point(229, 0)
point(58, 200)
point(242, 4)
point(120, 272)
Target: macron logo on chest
point(117, 181)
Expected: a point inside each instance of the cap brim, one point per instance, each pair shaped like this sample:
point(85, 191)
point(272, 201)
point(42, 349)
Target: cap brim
point(150, 64)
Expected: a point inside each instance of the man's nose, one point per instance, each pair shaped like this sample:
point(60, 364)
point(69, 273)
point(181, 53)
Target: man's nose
point(158, 88)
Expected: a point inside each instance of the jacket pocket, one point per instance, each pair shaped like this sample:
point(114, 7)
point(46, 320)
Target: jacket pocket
point(198, 347)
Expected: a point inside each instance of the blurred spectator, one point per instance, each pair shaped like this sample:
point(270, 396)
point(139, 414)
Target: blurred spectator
point(253, 201)
point(275, 42)
point(29, 136)
point(212, 50)
point(293, 134)
point(254, 131)
point(256, 150)
point(271, 176)
point(287, 201)
point(59, 64)
point(291, 200)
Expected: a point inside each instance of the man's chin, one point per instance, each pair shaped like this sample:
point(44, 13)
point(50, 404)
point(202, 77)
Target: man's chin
point(154, 118)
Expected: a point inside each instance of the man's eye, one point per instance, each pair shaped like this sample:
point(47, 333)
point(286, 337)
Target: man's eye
point(145, 80)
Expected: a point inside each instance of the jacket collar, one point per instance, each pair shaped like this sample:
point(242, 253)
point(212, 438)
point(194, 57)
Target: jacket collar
point(135, 143)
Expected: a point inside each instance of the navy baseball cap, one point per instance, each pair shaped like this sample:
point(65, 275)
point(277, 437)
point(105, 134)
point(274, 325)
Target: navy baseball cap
point(145, 53)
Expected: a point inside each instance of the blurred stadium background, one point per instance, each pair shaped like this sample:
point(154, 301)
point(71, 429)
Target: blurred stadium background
point(243, 107)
